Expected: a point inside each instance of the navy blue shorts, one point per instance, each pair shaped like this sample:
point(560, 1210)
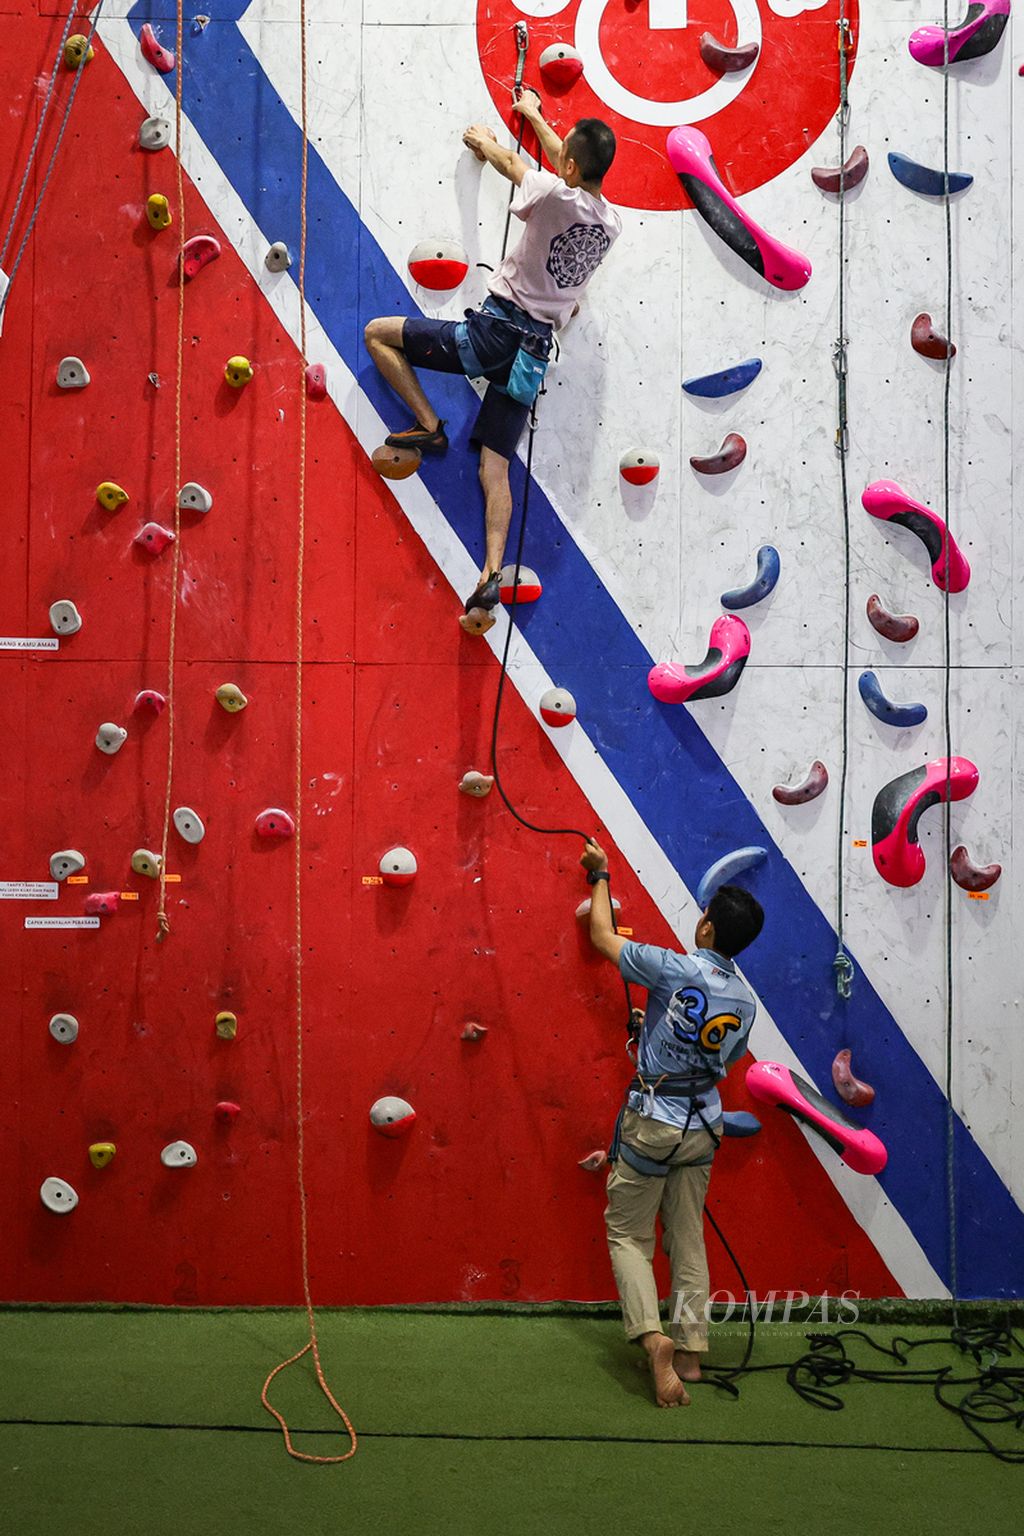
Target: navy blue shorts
point(498, 342)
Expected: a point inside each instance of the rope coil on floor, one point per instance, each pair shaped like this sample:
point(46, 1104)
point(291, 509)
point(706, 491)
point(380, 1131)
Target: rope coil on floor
point(312, 1344)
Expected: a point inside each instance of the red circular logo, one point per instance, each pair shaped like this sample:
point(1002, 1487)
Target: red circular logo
point(643, 73)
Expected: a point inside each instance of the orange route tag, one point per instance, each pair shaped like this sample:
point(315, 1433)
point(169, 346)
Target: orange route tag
point(977, 895)
point(625, 933)
point(129, 895)
point(860, 842)
point(77, 880)
point(373, 879)
point(172, 879)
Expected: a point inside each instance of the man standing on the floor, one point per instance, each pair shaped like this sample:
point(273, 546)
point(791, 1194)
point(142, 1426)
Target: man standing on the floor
point(699, 1014)
point(568, 230)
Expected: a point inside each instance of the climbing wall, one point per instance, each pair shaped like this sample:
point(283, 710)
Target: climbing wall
point(484, 1198)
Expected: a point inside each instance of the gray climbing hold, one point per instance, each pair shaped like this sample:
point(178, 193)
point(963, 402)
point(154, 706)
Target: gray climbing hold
point(392, 1116)
point(188, 825)
point(65, 618)
point(64, 1028)
point(179, 1154)
point(72, 373)
point(194, 498)
point(58, 1196)
point(67, 861)
point(111, 738)
point(155, 133)
point(278, 258)
point(146, 862)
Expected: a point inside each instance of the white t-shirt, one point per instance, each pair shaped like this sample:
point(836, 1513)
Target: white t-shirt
point(567, 234)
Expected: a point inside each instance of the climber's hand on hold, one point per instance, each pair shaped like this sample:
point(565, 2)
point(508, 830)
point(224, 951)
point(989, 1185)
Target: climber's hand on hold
point(527, 103)
point(474, 137)
point(594, 857)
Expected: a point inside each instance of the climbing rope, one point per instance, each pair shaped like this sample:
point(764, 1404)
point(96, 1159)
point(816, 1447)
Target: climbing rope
point(954, 1284)
point(53, 153)
point(842, 964)
point(312, 1344)
point(163, 925)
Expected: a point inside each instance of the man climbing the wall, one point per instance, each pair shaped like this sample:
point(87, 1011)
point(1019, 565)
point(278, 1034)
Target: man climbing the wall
point(568, 230)
point(698, 1016)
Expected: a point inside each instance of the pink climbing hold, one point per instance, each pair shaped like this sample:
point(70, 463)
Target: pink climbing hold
point(150, 699)
point(594, 1161)
point(898, 808)
point(102, 903)
point(977, 34)
point(154, 539)
point(155, 53)
point(890, 503)
point(197, 254)
point(557, 707)
point(316, 381)
point(473, 1031)
point(273, 822)
point(718, 673)
point(561, 65)
point(859, 1148)
point(227, 1112)
point(850, 1088)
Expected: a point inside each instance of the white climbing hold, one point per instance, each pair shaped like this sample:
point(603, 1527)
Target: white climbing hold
point(146, 862)
point(279, 258)
point(398, 866)
point(439, 265)
point(188, 825)
point(392, 1117)
point(558, 707)
point(72, 373)
point(583, 910)
point(478, 784)
point(64, 1028)
point(179, 1154)
point(155, 133)
point(66, 861)
point(58, 1196)
point(65, 618)
point(194, 498)
point(111, 738)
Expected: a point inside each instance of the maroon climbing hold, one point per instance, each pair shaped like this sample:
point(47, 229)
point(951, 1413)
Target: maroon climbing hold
point(900, 627)
point(731, 454)
point(849, 1088)
point(929, 342)
point(594, 1161)
point(843, 177)
point(810, 787)
point(150, 699)
point(274, 822)
point(102, 902)
point(197, 254)
point(155, 53)
point(226, 1112)
point(316, 381)
point(723, 60)
point(970, 876)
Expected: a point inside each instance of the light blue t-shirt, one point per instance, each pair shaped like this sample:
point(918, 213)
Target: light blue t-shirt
point(699, 1014)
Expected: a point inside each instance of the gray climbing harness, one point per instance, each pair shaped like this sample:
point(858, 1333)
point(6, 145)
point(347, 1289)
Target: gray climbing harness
point(668, 1086)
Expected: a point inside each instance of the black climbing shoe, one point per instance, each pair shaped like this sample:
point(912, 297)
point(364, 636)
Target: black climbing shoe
point(478, 616)
point(418, 437)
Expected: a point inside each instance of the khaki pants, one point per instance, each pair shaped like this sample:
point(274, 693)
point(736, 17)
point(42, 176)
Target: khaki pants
point(634, 1200)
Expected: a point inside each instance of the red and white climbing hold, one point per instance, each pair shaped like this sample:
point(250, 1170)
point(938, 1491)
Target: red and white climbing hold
point(561, 65)
point(398, 866)
point(439, 265)
point(154, 52)
point(154, 538)
point(150, 699)
point(392, 1117)
point(639, 466)
point(274, 822)
point(557, 707)
point(526, 590)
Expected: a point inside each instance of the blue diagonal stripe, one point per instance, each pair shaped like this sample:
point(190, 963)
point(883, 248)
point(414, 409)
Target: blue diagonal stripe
point(660, 757)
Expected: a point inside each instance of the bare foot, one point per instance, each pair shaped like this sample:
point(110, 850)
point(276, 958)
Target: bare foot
point(668, 1389)
point(687, 1364)
point(477, 621)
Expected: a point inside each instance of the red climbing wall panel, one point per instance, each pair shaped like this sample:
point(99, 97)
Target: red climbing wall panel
point(484, 1199)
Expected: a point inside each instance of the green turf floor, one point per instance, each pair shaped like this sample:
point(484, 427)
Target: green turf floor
point(150, 1421)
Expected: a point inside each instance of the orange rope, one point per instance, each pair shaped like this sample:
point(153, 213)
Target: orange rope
point(312, 1343)
point(162, 920)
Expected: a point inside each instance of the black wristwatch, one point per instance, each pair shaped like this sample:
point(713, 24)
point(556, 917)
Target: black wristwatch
point(594, 875)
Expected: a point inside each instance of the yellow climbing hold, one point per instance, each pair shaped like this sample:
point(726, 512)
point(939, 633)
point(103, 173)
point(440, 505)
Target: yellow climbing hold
point(146, 862)
point(238, 371)
point(110, 495)
point(226, 1025)
point(74, 51)
point(158, 210)
point(101, 1153)
point(230, 697)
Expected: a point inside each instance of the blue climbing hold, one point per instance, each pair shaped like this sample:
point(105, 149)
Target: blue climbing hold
point(726, 869)
point(712, 386)
point(736, 1122)
point(884, 709)
point(768, 567)
point(922, 178)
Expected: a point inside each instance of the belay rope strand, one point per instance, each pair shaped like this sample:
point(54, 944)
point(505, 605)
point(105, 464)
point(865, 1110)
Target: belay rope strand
point(312, 1344)
point(842, 964)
